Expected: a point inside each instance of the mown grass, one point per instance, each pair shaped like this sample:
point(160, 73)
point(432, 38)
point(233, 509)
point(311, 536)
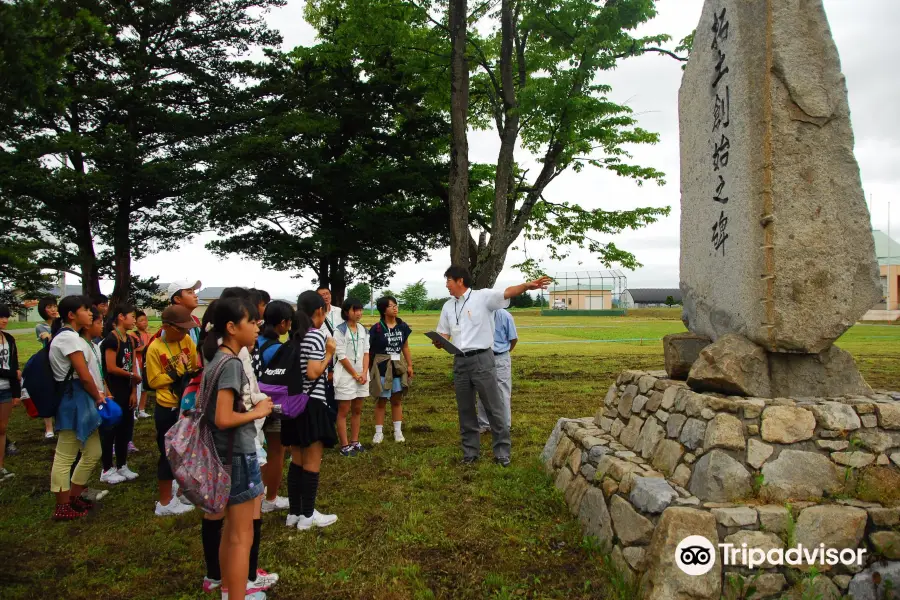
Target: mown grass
point(413, 524)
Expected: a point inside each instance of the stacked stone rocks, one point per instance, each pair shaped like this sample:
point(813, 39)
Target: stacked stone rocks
point(659, 462)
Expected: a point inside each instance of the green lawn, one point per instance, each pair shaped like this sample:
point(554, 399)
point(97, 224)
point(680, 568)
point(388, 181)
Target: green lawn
point(413, 523)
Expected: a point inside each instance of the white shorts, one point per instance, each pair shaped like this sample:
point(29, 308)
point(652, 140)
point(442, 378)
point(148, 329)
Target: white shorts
point(347, 388)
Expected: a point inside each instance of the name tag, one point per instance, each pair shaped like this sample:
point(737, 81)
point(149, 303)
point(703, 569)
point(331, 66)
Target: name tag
point(395, 357)
point(456, 334)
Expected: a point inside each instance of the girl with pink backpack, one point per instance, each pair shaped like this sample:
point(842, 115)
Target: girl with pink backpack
point(233, 435)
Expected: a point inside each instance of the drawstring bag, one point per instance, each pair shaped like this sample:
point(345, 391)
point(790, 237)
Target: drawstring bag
point(202, 476)
point(283, 381)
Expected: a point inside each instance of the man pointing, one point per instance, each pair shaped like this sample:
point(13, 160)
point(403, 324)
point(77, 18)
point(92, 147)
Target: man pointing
point(467, 320)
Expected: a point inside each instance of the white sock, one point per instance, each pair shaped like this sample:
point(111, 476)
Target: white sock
point(379, 428)
point(397, 426)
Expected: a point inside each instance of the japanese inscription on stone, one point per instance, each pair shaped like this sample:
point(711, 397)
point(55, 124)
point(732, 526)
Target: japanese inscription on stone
point(721, 118)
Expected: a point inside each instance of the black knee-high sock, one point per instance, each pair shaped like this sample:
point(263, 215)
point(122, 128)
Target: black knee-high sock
point(295, 489)
point(211, 532)
point(254, 549)
point(310, 488)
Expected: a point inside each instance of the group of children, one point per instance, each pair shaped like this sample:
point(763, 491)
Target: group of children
point(342, 363)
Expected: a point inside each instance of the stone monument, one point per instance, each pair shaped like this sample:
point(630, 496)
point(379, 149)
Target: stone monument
point(759, 430)
point(776, 243)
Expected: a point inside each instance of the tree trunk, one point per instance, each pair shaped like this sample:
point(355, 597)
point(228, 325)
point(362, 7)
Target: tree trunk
point(323, 273)
point(338, 280)
point(460, 237)
point(492, 257)
point(121, 255)
point(90, 276)
point(488, 270)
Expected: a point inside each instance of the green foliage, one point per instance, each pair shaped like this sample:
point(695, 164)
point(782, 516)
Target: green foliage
point(145, 293)
point(116, 122)
point(435, 303)
point(670, 301)
point(523, 301)
point(414, 296)
point(362, 292)
point(338, 170)
point(547, 95)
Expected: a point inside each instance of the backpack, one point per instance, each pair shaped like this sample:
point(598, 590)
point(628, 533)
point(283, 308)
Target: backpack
point(283, 381)
point(191, 451)
point(44, 391)
point(256, 357)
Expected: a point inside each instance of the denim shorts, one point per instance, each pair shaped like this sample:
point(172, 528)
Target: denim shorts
point(5, 396)
point(246, 480)
point(395, 389)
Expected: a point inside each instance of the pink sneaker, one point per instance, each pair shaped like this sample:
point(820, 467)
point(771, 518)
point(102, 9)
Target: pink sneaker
point(210, 585)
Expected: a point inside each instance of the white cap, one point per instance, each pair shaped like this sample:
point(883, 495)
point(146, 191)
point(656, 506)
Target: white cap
point(184, 284)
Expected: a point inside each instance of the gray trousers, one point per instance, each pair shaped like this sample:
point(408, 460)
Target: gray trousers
point(503, 367)
point(478, 374)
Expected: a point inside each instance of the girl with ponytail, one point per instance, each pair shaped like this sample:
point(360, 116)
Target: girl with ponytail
point(313, 430)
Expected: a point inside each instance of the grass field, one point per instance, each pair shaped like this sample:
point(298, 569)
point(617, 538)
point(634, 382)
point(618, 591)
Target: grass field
point(413, 522)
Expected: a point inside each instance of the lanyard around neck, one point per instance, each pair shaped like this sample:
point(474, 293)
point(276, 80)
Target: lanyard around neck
point(99, 361)
point(354, 339)
point(462, 308)
point(171, 355)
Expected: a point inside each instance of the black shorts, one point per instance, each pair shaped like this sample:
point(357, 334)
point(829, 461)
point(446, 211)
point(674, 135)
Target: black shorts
point(316, 424)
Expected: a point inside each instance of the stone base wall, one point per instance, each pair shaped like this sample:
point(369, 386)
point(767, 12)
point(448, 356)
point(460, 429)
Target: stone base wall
point(659, 462)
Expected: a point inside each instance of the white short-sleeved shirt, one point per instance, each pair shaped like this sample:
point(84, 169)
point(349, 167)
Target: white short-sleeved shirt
point(347, 349)
point(65, 343)
point(333, 318)
point(469, 320)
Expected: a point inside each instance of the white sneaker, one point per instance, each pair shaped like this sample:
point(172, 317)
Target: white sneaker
point(378, 438)
point(127, 473)
point(143, 415)
point(264, 580)
point(291, 520)
point(49, 435)
point(111, 476)
point(316, 520)
point(398, 436)
point(248, 595)
point(280, 503)
point(172, 508)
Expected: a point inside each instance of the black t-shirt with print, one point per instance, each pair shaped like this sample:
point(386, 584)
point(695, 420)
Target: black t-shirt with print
point(119, 386)
point(383, 340)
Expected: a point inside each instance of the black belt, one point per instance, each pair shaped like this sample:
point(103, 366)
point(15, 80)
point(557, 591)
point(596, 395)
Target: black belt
point(473, 352)
point(500, 353)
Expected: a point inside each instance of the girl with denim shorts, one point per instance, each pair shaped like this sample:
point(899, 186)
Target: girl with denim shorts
point(234, 433)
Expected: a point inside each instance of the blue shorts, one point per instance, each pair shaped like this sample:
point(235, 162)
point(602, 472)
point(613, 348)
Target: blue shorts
point(5, 396)
point(395, 389)
point(246, 480)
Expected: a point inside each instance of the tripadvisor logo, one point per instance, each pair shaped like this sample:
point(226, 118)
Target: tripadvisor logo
point(696, 555)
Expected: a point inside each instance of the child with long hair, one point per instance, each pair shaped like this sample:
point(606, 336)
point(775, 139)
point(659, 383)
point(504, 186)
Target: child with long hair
point(258, 580)
point(121, 378)
point(351, 374)
point(77, 419)
point(276, 323)
point(313, 430)
point(233, 328)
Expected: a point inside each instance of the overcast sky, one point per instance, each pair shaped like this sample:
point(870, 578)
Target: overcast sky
point(863, 30)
